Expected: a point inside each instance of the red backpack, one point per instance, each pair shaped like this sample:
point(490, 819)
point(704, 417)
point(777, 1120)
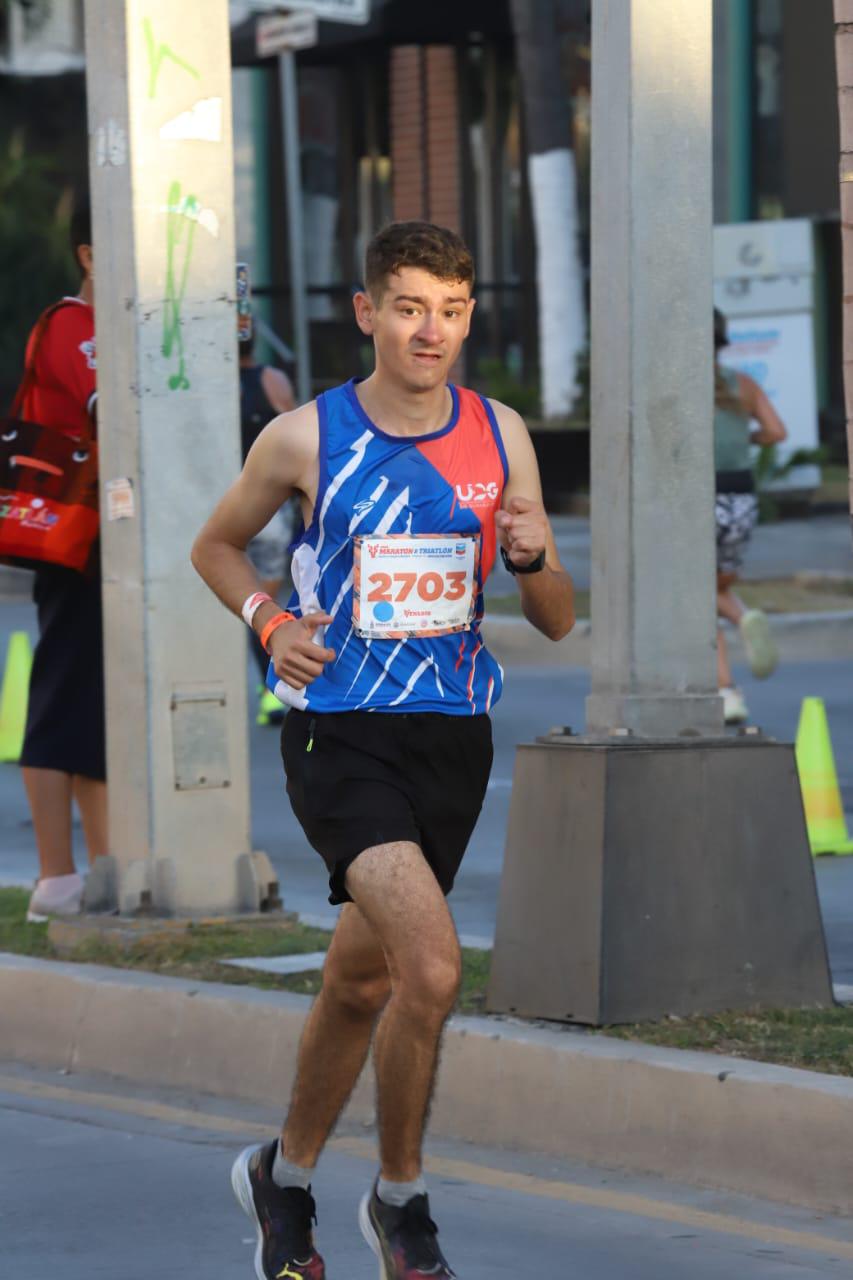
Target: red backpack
point(48, 484)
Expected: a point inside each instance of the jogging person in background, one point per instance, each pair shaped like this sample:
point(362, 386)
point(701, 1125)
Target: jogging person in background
point(264, 393)
point(738, 401)
point(408, 485)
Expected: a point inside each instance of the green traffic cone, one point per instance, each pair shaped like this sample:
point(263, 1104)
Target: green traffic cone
point(14, 695)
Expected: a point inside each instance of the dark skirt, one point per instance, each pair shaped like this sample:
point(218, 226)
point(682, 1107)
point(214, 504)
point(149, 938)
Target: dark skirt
point(65, 715)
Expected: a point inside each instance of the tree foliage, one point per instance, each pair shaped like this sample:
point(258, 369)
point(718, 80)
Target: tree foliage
point(35, 259)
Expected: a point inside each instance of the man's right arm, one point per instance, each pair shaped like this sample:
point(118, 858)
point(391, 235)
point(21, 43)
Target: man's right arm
point(279, 464)
point(282, 461)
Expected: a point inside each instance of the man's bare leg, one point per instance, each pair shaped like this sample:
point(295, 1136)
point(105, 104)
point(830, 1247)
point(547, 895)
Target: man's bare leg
point(401, 924)
point(398, 894)
point(337, 1035)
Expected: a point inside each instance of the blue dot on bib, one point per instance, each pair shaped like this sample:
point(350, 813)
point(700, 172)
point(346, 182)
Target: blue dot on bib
point(383, 611)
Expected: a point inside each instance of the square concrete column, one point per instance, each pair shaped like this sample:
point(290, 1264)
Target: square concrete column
point(653, 605)
point(159, 95)
point(651, 878)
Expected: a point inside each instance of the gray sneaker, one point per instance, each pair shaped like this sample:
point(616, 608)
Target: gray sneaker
point(761, 652)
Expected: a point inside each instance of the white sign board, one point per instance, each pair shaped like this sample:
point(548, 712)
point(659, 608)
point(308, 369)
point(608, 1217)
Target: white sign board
point(778, 352)
point(285, 33)
point(355, 11)
point(764, 285)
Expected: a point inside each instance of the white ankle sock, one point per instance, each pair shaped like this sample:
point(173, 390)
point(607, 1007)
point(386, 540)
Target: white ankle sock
point(285, 1174)
point(400, 1193)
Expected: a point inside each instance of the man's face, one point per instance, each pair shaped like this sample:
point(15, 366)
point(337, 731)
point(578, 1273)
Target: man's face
point(418, 326)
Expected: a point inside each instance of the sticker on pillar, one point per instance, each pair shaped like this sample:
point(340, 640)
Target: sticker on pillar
point(110, 145)
point(120, 500)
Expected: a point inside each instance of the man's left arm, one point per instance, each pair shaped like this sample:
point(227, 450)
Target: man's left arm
point(524, 531)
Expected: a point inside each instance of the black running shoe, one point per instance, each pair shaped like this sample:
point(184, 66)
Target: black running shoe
point(404, 1240)
point(282, 1216)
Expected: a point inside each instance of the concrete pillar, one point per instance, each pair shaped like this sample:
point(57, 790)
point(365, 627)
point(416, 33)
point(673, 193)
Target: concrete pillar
point(159, 93)
point(653, 607)
point(638, 857)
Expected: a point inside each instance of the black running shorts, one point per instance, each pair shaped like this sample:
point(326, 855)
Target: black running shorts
point(357, 779)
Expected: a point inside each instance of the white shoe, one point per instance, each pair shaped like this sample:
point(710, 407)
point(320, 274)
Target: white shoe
point(761, 652)
point(735, 710)
point(56, 896)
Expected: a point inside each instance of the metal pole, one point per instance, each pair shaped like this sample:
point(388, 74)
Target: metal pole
point(161, 176)
point(293, 182)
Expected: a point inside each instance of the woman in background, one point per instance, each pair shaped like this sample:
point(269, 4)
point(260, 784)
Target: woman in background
point(64, 753)
point(739, 402)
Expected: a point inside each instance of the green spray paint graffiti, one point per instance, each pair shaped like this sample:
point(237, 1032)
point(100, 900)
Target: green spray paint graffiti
point(181, 219)
point(157, 54)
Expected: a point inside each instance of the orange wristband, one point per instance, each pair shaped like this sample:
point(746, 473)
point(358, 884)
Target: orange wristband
point(275, 621)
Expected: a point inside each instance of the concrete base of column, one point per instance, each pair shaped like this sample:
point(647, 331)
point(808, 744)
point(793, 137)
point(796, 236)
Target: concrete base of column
point(646, 879)
point(656, 715)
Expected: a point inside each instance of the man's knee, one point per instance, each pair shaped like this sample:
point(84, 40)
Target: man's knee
point(360, 994)
point(430, 985)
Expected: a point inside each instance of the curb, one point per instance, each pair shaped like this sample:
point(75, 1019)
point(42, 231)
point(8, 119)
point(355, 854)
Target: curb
point(799, 637)
point(767, 1131)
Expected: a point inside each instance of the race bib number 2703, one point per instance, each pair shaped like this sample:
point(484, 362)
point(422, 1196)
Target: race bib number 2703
point(421, 585)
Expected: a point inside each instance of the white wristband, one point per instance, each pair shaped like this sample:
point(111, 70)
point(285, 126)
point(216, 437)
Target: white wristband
point(253, 604)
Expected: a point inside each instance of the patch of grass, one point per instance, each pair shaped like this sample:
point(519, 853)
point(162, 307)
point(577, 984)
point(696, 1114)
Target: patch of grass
point(509, 606)
point(797, 595)
point(15, 933)
point(816, 1039)
point(774, 595)
point(197, 952)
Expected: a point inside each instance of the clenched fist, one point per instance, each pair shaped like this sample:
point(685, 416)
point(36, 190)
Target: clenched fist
point(522, 530)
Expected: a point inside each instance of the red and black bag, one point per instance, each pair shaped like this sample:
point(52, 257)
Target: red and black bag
point(48, 484)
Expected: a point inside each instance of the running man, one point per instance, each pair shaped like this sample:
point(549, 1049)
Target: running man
point(407, 484)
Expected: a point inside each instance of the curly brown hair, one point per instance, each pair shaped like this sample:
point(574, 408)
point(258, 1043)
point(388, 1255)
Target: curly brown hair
point(438, 250)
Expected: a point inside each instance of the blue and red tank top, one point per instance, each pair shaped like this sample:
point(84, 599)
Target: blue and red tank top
point(433, 495)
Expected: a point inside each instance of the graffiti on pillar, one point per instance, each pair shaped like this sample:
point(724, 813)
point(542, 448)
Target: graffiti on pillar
point(182, 215)
point(157, 55)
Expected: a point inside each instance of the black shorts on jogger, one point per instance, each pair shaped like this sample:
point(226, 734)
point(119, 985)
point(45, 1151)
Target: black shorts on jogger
point(357, 779)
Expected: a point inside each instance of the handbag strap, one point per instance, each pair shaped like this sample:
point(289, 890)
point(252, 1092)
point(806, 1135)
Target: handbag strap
point(30, 366)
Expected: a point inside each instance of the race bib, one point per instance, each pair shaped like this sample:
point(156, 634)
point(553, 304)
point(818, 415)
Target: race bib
point(422, 585)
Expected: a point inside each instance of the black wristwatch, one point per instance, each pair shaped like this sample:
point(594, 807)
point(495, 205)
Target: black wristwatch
point(535, 566)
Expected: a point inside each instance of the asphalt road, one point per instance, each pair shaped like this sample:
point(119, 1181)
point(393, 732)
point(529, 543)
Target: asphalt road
point(126, 1186)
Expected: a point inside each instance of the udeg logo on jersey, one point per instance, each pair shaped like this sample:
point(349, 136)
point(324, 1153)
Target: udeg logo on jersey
point(476, 494)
